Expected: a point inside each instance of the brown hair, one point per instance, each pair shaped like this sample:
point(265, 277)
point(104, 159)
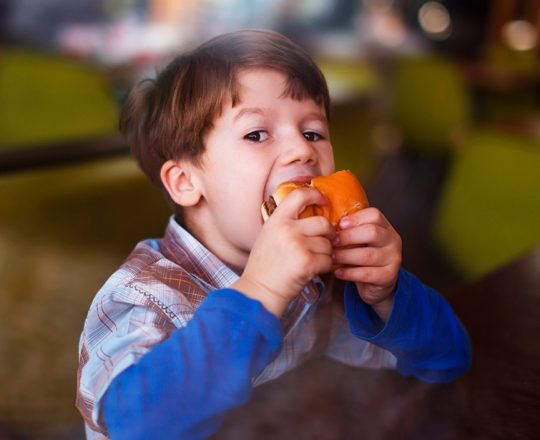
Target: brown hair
point(168, 117)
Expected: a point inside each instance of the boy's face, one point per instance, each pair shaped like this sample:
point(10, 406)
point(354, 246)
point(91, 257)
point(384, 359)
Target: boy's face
point(267, 138)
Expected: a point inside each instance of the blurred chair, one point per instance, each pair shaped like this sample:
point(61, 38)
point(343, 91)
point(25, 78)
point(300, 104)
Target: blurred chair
point(351, 132)
point(489, 211)
point(429, 104)
point(348, 79)
point(63, 231)
point(353, 86)
point(45, 98)
point(507, 82)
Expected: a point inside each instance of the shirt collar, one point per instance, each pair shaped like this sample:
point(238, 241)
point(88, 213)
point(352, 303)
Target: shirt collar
point(185, 250)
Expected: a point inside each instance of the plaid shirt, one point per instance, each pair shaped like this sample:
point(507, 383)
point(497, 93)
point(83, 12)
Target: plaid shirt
point(157, 290)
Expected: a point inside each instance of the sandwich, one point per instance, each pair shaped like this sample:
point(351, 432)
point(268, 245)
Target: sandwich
point(342, 189)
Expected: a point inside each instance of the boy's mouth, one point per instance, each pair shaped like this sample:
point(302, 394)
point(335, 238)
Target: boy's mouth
point(295, 179)
point(300, 179)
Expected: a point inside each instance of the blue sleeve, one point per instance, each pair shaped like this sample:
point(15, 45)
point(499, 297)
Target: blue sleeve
point(185, 385)
point(422, 331)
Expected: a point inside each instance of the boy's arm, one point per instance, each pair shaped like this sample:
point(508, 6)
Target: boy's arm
point(184, 386)
point(422, 331)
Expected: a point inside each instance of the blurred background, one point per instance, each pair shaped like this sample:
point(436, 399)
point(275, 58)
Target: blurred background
point(436, 109)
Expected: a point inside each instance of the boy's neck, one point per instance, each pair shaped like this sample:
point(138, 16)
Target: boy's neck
point(212, 243)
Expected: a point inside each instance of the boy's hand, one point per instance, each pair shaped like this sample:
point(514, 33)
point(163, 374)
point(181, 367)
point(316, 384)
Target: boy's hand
point(288, 253)
point(370, 249)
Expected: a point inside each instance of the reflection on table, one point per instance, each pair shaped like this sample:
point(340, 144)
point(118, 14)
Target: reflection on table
point(498, 398)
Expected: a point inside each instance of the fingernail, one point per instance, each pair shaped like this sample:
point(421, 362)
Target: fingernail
point(345, 222)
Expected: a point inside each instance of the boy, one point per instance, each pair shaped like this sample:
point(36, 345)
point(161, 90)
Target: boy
point(190, 323)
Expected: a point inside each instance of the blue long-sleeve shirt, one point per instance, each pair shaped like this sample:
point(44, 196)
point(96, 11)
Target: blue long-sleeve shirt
point(422, 331)
point(167, 346)
point(185, 385)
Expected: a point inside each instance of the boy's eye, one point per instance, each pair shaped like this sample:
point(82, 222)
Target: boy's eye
point(312, 136)
point(257, 136)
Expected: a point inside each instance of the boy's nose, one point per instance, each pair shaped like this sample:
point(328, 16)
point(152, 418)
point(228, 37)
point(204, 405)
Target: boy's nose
point(299, 149)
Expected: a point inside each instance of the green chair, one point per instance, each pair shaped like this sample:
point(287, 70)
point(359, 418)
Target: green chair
point(348, 78)
point(63, 231)
point(351, 131)
point(352, 84)
point(489, 211)
point(48, 98)
point(509, 97)
point(429, 104)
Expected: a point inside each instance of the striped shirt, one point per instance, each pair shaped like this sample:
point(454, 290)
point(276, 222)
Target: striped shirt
point(157, 290)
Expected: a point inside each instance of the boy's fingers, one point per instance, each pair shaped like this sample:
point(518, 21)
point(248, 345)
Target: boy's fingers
point(367, 275)
point(364, 216)
point(317, 226)
point(320, 245)
point(298, 200)
point(362, 256)
point(321, 263)
point(368, 234)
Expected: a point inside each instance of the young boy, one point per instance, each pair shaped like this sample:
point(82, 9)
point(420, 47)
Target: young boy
point(187, 326)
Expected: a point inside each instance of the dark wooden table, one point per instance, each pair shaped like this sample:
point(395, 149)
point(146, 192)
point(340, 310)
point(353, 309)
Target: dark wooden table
point(21, 158)
point(498, 399)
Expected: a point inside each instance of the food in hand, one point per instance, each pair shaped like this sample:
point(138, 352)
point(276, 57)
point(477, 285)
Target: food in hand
point(342, 189)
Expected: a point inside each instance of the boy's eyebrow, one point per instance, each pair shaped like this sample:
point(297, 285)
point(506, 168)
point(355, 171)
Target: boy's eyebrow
point(317, 116)
point(249, 110)
point(262, 111)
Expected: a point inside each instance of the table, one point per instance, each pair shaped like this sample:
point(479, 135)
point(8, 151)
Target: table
point(61, 152)
point(498, 399)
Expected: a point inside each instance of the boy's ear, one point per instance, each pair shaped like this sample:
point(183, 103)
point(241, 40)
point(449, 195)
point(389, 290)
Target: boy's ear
point(178, 180)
